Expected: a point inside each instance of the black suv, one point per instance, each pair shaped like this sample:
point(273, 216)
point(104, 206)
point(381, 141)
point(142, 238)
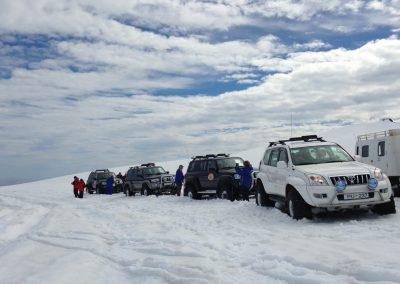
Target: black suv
point(100, 186)
point(148, 179)
point(213, 175)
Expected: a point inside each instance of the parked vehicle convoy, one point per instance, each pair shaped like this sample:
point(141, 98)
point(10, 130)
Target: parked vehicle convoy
point(382, 150)
point(97, 182)
point(213, 175)
point(148, 179)
point(307, 175)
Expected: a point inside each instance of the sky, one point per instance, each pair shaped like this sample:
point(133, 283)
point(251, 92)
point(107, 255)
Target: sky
point(98, 83)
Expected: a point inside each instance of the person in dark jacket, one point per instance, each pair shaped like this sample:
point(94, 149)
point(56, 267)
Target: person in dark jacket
point(75, 186)
point(246, 179)
point(110, 184)
point(179, 178)
point(81, 188)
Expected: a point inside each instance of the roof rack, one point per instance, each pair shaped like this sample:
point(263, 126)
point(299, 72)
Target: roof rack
point(148, 165)
point(210, 156)
point(305, 138)
point(102, 171)
point(222, 155)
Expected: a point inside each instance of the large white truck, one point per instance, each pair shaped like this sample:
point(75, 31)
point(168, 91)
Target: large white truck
point(382, 149)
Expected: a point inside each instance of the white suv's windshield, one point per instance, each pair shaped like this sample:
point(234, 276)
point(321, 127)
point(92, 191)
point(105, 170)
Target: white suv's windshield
point(153, 171)
point(319, 154)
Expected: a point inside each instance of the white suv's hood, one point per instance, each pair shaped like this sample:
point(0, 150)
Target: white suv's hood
point(337, 169)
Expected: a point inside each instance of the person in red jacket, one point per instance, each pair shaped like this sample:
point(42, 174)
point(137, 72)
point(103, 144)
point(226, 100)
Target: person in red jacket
point(81, 188)
point(75, 185)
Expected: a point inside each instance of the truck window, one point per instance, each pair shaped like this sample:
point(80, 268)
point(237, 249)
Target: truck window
point(273, 159)
point(266, 157)
point(381, 148)
point(358, 150)
point(283, 155)
point(365, 151)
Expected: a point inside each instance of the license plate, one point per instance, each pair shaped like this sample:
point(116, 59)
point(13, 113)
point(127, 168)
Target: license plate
point(357, 195)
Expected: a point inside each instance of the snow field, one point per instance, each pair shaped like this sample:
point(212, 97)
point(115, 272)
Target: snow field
point(48, 236)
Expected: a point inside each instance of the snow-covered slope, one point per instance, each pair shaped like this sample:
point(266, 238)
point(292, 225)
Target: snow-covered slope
point(47, 236)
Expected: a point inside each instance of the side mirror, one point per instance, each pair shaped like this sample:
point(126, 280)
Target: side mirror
point(282, 165)
point(357, 158)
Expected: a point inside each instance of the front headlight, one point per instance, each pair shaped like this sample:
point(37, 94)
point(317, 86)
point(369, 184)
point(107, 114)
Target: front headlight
point(378, 174)
point(236, 176)
point(316, 179)
point(154, 180)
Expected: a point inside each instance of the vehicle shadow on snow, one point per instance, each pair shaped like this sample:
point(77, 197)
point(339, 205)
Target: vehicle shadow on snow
point(346, 216)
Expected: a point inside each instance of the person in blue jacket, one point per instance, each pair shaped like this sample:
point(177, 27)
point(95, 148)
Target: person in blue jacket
point(110, 184)
point(246, 179)
point(179, 178)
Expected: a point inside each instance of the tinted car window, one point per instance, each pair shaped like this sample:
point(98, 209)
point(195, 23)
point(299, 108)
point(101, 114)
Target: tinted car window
point(196, 166)
point(365, 151)
point(203, 166)
point(212, 164)
point(266, 157)
point(229, 163)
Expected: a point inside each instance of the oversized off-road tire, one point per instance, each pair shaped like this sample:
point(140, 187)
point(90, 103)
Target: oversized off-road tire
point(225, 192)
point(145, 190)
point(192, 192)
point(297, 208)
point(385, 208)
point(128, 191)
point(262, 197)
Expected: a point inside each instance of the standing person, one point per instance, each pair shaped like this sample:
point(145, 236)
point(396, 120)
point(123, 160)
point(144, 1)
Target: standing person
point(110, 184)
point(179, 178)
point(81, 188)
point(246, 179)
point(75, 186)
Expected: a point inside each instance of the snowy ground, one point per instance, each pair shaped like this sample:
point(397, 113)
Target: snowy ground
point(47, 236)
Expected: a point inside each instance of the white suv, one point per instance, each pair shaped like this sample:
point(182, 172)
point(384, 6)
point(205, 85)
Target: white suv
point(307, 173)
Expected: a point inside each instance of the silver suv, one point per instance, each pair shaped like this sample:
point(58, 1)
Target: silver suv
point(148, 179)
point(307, 174)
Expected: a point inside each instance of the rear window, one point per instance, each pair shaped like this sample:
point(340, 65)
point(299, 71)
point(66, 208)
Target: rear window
point(365, 151)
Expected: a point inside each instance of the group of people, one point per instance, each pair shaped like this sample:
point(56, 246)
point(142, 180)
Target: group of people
point(245, 173)
point(79, 186)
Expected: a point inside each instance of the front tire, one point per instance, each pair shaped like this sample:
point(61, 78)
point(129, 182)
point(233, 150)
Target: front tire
point(128, 191)
point(146, 191)
point(225, 192)
point(262, 197)
point(297, 208)
point(385, 208)
point(192, 193)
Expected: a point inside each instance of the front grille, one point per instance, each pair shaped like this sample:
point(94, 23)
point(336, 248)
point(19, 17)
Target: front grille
point(351, 180)
point(167, 179)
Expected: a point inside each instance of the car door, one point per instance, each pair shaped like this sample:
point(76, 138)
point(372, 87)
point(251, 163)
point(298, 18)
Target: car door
point(212, 174)
point(272, 170)
point(264, 171)
point(128, 178)
point(282, 174)
point(202, 174)
point(139, 179)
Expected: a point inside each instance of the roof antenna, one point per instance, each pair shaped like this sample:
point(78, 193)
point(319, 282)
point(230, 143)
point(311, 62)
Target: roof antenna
point(291, 124)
